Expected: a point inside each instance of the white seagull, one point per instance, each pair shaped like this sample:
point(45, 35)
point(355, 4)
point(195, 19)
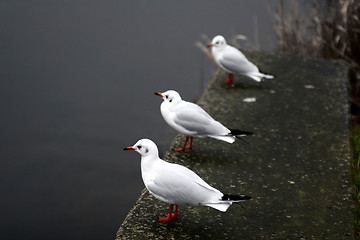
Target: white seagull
point(232, 60)
point(190, 119)
point(176, 184)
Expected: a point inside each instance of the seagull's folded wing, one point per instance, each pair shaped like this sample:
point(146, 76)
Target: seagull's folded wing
point(193, 118)
point(198, 125)
point(179, 185)
point(235, 61)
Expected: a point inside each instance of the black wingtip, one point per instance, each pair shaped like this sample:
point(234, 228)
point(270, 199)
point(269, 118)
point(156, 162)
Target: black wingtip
point(246, 197)
point(228, 197)
point(241, 133)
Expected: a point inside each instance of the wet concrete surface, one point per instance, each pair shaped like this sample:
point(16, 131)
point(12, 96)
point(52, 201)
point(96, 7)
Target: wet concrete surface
point(296, 167)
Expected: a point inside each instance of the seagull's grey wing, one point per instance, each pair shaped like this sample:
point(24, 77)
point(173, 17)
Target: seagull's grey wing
point(179, 185)
point(194, 119)
point(235, 61)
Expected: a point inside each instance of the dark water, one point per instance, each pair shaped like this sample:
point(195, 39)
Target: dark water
point(76, 86)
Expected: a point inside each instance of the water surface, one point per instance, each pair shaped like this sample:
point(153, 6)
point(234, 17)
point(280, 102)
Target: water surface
point(76, 86)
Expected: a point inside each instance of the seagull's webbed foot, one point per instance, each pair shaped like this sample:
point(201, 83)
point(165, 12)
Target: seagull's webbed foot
point(167, 218)
point(170, 216)
point(227, 81)
point(185, 147)
point(182, 149)
point(230, 79)
point(179, 149)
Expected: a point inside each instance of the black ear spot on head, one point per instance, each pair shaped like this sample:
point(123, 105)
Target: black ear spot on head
point(146, 150)
point(170, 100)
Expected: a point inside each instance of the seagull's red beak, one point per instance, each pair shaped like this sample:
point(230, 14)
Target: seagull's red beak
point(209, 45)
point(129, 148)
point(159, 94)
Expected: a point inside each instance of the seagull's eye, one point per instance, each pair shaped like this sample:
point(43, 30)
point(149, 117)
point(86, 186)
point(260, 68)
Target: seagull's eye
point(166, 96)
point(217, 42)
point(139, 147)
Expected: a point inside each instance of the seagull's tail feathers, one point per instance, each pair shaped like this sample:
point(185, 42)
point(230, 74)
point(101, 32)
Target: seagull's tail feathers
point(258, 76)
point(267, 76)
point(219, 206)
point(226, 201)
point(234, 133)
point(229, 139)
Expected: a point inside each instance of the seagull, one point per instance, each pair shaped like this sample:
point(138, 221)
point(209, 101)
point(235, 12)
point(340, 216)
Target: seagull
point(190, 119)
point(232, 60)
point(177, 185)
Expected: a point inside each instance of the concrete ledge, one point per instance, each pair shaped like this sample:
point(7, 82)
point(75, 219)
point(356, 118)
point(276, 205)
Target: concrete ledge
point(296, 167)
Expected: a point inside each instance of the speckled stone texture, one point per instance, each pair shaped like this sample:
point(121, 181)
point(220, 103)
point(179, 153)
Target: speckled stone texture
point(296, 166)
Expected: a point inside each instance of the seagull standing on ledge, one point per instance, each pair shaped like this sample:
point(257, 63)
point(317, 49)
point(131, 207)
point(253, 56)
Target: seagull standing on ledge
point(232, 60)
point(176, 184)
point(191, 120)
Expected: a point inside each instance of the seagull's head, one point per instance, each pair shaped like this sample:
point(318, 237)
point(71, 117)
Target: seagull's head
point(170, 96)
point(218, 42)
point(145, 147)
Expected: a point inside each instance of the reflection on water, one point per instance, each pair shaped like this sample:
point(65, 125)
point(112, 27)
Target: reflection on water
point(77, 83)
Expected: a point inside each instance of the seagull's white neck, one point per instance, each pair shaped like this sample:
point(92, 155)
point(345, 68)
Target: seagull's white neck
point(218, 50)
point(148, 161)
point(148, 166)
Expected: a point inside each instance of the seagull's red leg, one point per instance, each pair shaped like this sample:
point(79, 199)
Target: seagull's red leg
point(190, 146)
point(170, 216)
point(230, 79)
point(176, 211)
point(183, 148)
